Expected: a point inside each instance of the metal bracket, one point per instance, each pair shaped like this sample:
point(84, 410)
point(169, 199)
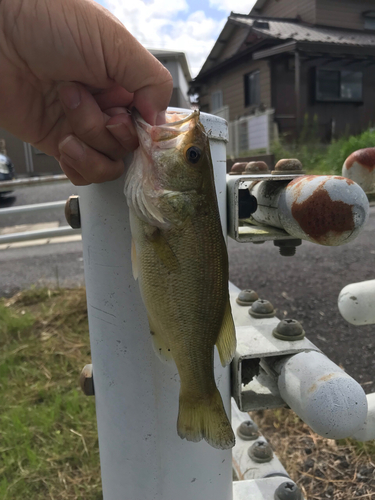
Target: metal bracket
point(244, 466)
point(240, 229)
point(254, 384)
point(259, 489)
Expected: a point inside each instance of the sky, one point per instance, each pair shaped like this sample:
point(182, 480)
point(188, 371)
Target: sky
point(190, 26)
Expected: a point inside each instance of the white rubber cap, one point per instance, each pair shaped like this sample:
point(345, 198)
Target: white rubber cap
point(331, 402)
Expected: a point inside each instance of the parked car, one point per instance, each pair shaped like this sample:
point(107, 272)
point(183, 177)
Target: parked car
point(7, 172)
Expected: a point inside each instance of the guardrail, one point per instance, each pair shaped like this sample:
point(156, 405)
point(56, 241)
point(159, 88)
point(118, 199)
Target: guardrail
point(40, 234)
point(36, 207)
point(31, 181)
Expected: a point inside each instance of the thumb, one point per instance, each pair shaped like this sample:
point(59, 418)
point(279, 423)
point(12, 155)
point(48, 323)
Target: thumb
point(138, 71)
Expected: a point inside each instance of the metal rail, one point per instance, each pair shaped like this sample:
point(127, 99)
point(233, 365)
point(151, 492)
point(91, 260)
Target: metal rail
point(38, 235)
point(36, 207)
point(31, 181)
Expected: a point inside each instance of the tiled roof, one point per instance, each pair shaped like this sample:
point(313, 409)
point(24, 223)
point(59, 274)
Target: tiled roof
point(289, 30)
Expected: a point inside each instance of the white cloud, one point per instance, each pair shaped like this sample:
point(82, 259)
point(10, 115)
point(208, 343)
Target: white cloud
point(158, 24)
point(239, 6)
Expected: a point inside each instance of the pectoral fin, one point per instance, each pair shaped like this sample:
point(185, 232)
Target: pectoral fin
point(134, 261)
point(163, 250)
point(226, 342)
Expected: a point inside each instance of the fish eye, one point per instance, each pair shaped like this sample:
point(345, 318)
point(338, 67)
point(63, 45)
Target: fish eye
point(193, 154)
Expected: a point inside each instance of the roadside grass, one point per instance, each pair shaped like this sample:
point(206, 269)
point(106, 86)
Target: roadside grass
point(48, 435)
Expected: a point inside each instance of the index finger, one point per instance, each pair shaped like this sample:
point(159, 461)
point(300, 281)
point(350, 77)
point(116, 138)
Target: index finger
point(137, 70)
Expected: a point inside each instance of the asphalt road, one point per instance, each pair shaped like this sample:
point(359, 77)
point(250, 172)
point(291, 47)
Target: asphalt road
point(54, 264)
point(304, 287)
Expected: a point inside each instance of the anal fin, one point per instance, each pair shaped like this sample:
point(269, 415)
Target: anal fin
point(161, 349)
point(226, 341)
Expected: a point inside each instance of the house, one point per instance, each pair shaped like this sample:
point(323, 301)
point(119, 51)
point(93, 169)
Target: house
point(30, 161)
point(176, 63)
point(297, 58)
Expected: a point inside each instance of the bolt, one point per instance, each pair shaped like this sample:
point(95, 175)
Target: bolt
point(248, 431)
point(289, 329)
point(262, 309)
point(256, 167)
point(288, 491)
point(260, 452)
point(288, 166)
point(86, 381)
point(287, 248)
point(238, 168)
point(247, 297)
point(72, 214)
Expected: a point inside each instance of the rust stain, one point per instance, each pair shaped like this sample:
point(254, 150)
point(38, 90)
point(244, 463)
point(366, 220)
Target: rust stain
point(348, 181)
point(319, 215)
point(313, 388)
point(365, 158)
point(302, 180)
point(325, 378)
point(298, 184)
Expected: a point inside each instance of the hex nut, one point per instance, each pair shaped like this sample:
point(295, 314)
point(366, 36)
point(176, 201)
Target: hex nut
point(248, 431)
point(256, 167)
point(288, 491)
point(289, 329)
point(260, 452)
point(72, 213)
point(247, 297)
point(238, 168)
point(262, 309)
point(287, 248)
point(288, 166)
point(86, 381)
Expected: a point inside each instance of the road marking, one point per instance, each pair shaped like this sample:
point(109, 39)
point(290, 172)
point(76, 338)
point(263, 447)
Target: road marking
point(36, 227)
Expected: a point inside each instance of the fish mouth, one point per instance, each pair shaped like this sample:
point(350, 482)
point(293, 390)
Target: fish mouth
point(174, 118)
point(167, 135)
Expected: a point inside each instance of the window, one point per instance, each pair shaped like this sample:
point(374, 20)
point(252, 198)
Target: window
point(252, 88)
point(216, 100)
point(339, 85)
point(369, 20)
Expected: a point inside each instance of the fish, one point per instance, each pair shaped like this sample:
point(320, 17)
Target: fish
point(180, 259)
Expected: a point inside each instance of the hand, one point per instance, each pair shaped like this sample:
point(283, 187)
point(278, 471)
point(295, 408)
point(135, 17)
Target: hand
point(69, 71)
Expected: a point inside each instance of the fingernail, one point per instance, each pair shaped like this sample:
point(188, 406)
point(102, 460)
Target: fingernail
point(160, 118)
point(72, 147)
point(70, 96)
point(121, 130)
point(115, 126)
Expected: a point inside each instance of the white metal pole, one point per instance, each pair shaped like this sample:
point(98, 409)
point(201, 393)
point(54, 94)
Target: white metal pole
point(142, 457)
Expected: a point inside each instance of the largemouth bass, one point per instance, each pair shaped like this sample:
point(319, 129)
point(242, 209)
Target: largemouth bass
point(180, 260)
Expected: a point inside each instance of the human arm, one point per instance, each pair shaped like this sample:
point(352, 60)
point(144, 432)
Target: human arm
point(49, 50)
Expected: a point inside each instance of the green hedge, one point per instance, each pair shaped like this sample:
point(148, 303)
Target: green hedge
point(321, 158)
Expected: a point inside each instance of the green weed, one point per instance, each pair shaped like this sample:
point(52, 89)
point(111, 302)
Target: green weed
point(319, 158)
point(48, 436)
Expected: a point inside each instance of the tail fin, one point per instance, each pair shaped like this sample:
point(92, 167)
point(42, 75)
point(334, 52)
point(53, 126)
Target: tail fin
point(205, 419)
